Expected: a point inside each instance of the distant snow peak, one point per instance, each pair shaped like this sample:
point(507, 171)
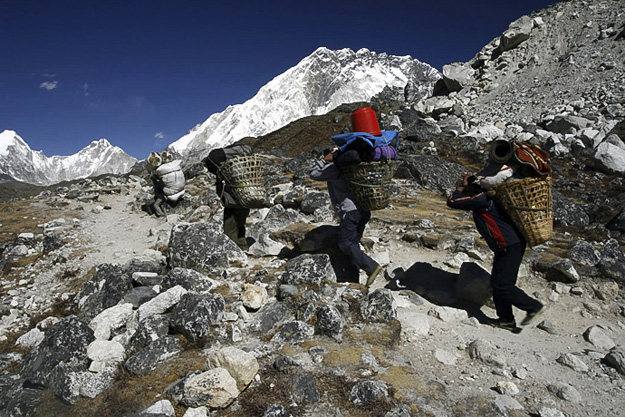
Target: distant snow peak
point(23, 164)
point(319, 83)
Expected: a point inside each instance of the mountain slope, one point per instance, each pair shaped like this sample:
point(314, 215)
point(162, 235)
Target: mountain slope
point(21, 163)
point(318, 84)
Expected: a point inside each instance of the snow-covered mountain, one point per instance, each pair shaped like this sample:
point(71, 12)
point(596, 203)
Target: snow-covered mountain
point(317, 84)
point(23, 164)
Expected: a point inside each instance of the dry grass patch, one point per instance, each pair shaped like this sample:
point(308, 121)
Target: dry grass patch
point(27, 216)
point(131, 393)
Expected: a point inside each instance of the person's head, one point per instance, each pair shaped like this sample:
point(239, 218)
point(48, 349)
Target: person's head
point(328, 154)
point(365, 120)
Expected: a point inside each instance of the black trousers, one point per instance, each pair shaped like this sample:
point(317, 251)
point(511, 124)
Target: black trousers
point(350, 232)
point(234, 225)
point(503, 280)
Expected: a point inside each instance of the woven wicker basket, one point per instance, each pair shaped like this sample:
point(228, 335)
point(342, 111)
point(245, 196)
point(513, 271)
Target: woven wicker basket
point(244, 177)
point(369, 182)
point(530, 205)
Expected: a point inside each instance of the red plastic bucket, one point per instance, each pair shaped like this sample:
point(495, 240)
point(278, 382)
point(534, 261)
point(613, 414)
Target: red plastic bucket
point(364, 120)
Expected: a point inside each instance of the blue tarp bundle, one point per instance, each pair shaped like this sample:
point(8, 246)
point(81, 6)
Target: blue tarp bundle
point(386, 139)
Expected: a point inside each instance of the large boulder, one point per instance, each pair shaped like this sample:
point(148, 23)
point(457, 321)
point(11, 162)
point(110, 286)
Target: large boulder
point(518, 32)
point(194, 315)
point(609, 158)
point(457, 76)
point(147, 359)
point(108, 288)
point(309, 269)
point(203, 247)
point(64, 347)
point(432, 172)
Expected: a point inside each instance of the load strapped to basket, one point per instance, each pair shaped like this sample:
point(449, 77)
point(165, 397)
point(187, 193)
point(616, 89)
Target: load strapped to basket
point(529, 204)
point(244, 178)
point(368, 182)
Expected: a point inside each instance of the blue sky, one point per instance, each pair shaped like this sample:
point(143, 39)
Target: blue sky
point(143, 73)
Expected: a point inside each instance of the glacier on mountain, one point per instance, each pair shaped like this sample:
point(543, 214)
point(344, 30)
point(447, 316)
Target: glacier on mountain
point(23, 164)
point(319, 83)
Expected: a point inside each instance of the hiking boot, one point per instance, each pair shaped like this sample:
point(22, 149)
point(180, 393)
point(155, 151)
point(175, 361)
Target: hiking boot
point(374, 275)
point(503, 324)
point(533, 316)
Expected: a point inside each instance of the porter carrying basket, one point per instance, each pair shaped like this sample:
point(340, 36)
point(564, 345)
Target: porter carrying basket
point(529, 203)
point(244, 177)
point(369, 183)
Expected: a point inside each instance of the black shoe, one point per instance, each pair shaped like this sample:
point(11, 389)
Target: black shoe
point(395, 285)
point(532, 317)
point(503, 324)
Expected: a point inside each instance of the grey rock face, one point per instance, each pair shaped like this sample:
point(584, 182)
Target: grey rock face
point(616, 359)
point(379, 306)
point(313, 201)
point(202, 247)
point(269, 316)
point(64, 346)
point(139, 295)
point(194, 314)
point(418, 129)
point(276, 410)
point(584, 253)
point(484, 352)
point(618, 222)
point(609, 158)
point(114, 286)
point(294, 332)
point(188, 279)
point(612, 263)
point(147, 359)
point(304, 388)
point(309, 269)
point(517, 32)
point(433, 173)
point(566, 213)
point(457, 76)
point(330, 321)
point(365, 392)
point(214, 388)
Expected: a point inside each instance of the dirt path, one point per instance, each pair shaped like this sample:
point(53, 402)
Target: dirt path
point(116, 233)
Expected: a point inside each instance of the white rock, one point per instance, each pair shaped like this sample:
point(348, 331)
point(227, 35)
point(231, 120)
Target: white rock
point(445, 357)
point(31, 338)
point(196, 412)
point(110, 319)
point(106, 351)
point(254, 296)
point(507, 388)
point(414, 325)
point(161, 303)
point(449, 314)
point(215, 388)
point(598, 338)
point(241, 365)
point(163, 407)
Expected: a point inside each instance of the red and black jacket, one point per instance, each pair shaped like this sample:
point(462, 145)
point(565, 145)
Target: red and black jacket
point(491, 220)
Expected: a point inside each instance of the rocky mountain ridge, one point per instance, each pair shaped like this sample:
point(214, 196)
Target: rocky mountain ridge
point(320, 82)
point(20, 163)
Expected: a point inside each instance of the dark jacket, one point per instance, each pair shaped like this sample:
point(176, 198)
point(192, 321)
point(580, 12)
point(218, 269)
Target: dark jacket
point(213, 162)
point(492, 222)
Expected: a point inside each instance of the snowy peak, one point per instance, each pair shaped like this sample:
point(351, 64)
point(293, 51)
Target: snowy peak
point(23, 164)
point(319, 83)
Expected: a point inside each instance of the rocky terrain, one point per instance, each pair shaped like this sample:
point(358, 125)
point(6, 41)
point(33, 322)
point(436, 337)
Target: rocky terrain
point(106, 309)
